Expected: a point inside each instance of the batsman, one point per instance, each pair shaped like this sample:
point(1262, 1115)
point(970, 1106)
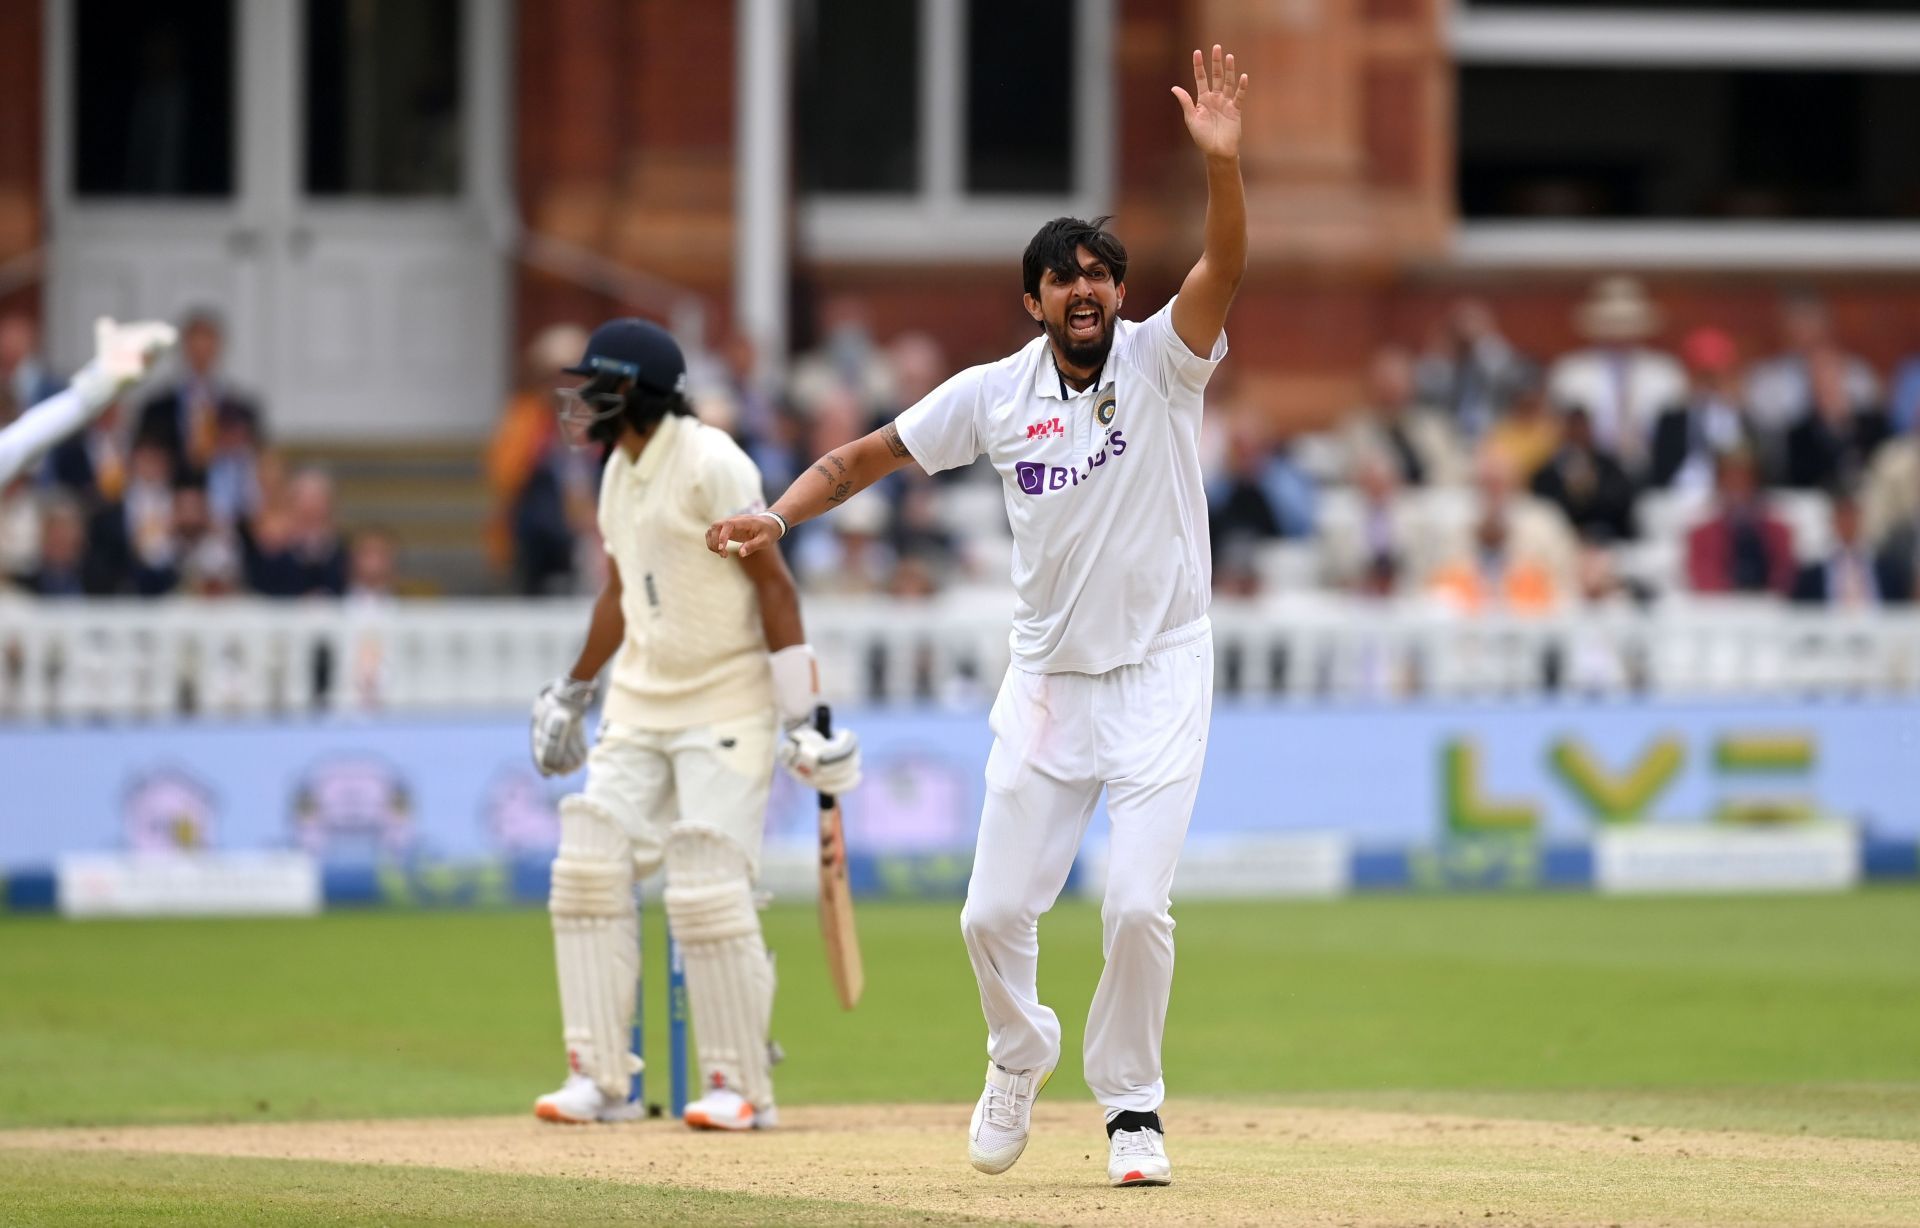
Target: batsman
point(712, 680)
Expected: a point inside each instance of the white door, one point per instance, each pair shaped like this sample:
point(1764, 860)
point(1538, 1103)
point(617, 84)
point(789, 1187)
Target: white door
point(319, 172)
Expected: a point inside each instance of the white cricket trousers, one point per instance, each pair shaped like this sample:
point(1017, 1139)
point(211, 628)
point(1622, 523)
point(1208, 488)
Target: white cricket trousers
point(1140, 732)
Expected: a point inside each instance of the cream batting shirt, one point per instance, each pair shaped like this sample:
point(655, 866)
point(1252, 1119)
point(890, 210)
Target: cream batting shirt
point(695, 651)
point(1103, 490)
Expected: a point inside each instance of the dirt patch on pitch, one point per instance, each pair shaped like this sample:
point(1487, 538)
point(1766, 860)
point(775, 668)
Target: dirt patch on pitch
point(1233, 1164)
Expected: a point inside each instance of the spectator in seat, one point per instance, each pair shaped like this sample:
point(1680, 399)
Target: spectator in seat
point(24, 378)
point(1851, 577)
point(534, 473)
point(1619, 379)
point(1526, 437)
point(131, 548)
point(1588, 485)
point(297, 551)
point(92, 465)
point(61, 571)
point(1890, 498)
point(1378, 547)
point(1419, 440)
point(187, 418)
point(1780, 388)
point(1517, 555)
point(1691, 435)
point(1833, 440)
point(1743, 548)
point(1469, 371)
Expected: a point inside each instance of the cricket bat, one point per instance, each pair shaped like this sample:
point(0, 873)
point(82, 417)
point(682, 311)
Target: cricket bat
point(836, 897)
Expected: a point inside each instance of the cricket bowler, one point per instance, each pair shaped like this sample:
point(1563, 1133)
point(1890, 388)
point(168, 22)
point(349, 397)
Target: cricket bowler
point(712, 680)
point(1094, 428)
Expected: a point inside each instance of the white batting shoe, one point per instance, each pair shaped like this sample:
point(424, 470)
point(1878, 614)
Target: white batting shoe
point(580, 1102)
point(1003, 1116)
point(1137, 1150)
point(722, 1108)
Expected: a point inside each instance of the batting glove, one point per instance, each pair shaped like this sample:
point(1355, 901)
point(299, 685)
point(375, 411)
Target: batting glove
point(559, 735)
point(831, 765)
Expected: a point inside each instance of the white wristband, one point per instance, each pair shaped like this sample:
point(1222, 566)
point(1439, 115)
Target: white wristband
point(796, 683)
point(779, 520)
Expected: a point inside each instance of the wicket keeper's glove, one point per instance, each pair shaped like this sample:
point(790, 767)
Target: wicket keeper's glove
point(559, 716)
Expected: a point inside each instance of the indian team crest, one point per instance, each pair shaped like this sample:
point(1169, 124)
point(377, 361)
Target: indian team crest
point(1104, 405)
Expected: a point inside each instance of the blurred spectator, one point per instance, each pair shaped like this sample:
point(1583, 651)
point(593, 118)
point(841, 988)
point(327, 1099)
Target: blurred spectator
point(1469, 371)
point(1743, 548)
point(918, 532)
point(61, 568)
point(1890, 500)
point(1526, 435)
point(1587, 484)
point(1834, 438)
point(1780, 389)
point(24, 378)
point(1850, 577)
point(1262, 496)
point(1621, 382)
point(847, 551)
point(837, 419)
point(207, 552)
point(542, 489)
point(846, 361)
point(1369, 553)
point(19, 530)
point(372, 564)
point(188, 418)
point(130, 541)
point(233, 471)
point(1903, 403)
point(1517, 555)
point(1417, 439)
point(93, 464)
point(1692, 434)
point(296, 550)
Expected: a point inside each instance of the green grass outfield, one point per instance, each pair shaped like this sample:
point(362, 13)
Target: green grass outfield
point(1488, 998)
point(1785, 1014)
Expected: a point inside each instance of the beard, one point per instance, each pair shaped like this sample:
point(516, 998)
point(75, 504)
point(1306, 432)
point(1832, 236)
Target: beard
point(1086, 354)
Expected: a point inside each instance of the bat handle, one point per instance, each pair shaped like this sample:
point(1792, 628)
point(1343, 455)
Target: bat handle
point(823, 724)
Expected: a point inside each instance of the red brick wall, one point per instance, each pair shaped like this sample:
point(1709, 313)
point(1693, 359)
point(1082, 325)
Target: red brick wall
point(624, 145)
point(21, 116)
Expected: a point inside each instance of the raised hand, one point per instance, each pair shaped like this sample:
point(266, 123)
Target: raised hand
point(1212, 111)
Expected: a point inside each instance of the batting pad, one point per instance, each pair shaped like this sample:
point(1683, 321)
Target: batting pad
point(729, 979)
point(596, 942)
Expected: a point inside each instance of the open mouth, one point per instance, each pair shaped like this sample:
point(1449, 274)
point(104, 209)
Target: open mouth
point(1083, 323)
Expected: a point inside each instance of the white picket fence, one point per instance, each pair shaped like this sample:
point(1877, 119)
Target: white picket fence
point(123, 660)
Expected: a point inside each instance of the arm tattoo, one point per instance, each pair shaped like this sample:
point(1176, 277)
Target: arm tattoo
point(890, 435)
point(838, 463)
point(838, 491)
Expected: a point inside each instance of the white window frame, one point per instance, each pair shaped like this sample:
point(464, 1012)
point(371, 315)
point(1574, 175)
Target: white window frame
point(1546, 36)
point(941, 220)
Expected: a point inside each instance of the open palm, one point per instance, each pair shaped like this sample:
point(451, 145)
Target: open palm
point(1212, 111)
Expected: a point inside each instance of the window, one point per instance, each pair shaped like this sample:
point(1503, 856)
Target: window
point(1731, 133)
point(153, 98)
point(955, 126)
point(383, 98)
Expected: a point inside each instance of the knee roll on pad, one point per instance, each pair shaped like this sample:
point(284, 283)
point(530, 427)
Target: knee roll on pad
point(593, 870)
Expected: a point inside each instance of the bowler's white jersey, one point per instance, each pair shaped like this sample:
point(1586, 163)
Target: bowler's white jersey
point(1103, 490)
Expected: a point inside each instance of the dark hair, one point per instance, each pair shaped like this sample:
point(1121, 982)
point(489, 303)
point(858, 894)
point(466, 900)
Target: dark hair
point(644, 406)
point(1056, 250)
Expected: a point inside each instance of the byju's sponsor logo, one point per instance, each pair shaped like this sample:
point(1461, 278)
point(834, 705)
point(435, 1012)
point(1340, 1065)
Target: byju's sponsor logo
point(1038, 479)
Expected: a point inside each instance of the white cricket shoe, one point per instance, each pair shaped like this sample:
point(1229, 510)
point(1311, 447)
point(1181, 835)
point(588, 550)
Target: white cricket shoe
point(1137, 1150)
point(1003, 1116)
point(580, 1102)
point(722, 1108)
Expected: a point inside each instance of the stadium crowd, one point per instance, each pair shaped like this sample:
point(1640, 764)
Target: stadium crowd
point(1472, 476)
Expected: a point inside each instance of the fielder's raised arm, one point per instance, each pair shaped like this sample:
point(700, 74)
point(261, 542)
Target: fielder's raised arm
point(833, 479)
point(1212, 113)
